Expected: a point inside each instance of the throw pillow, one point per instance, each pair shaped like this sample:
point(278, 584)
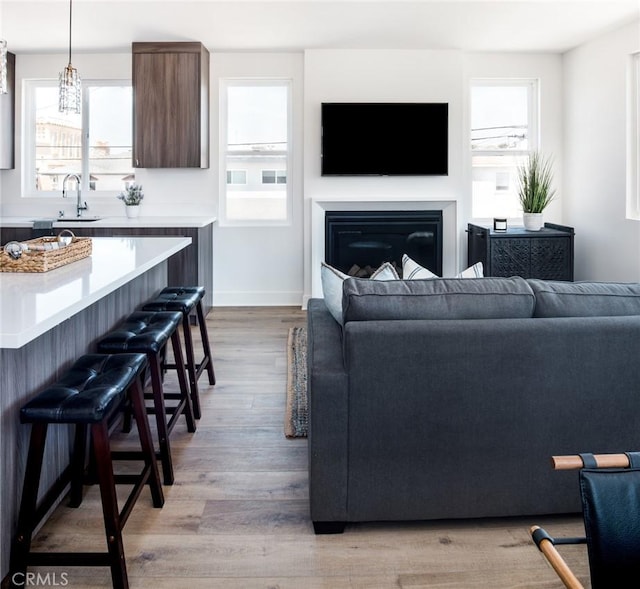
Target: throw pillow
point(475, 271)
point(411, 270)
point(332, 280)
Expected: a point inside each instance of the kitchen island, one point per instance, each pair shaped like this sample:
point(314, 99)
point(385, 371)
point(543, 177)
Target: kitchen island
point(193, 265)
point(47, 321)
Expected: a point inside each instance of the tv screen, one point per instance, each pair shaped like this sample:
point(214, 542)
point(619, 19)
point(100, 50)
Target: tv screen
point(384, 139)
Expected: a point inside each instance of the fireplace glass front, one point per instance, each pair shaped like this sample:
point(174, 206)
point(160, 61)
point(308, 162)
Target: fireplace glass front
point(358, 242)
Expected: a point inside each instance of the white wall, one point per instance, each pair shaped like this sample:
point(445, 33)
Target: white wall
point(252, 266)
point(595, 125)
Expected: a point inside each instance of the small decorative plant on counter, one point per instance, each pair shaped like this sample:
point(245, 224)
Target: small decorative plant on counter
point(132, 197)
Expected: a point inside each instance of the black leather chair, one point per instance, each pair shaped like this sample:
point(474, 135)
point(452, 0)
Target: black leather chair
point(90, 395)
point(610, 493)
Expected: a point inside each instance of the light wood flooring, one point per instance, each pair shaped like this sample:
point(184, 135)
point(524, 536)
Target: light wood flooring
point(237, 515)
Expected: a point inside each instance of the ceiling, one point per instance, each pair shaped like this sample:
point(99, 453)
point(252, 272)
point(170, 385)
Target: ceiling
point(42, 26)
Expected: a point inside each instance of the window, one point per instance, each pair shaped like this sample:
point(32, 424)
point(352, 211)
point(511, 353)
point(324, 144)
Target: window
point(254, 136)
point(504, 131)
point(633, 139)
point(96, 144)
point(274, 176)
point(236, 176)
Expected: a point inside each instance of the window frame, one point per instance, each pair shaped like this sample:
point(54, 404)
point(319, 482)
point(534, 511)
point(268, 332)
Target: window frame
point(533, 117)
point(224, 84)
point(30, 136)
point(276, 176)
point(246, 175)
point(633, 138)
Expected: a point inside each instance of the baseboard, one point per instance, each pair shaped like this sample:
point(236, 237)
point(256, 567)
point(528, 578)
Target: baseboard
point(257, 299)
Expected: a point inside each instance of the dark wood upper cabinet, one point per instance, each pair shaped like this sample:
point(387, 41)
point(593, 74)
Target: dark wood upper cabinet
point(7, 117)
point(171, 105)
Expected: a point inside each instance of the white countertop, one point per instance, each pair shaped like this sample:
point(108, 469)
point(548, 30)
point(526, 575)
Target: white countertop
point(33, 303)
point(107, 221)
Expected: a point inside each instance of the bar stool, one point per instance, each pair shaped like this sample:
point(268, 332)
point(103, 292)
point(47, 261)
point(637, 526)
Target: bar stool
point(185, 299)
point(89, 395)
point(148, 333)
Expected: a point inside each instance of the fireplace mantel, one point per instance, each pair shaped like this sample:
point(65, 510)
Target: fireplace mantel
point(320, 205)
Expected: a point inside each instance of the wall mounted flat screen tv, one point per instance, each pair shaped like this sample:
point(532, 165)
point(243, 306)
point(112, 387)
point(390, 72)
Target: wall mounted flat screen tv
point(385, 139)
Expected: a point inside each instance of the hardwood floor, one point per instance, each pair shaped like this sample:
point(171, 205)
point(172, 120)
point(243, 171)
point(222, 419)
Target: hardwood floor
point(237, 515)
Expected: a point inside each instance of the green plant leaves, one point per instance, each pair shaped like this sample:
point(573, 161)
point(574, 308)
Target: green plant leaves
point(535, 178)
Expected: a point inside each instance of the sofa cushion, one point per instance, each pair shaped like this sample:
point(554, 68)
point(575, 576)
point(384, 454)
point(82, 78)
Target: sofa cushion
point(585, 299)
point(411, 270)
point(332, 280)
point(445, 298)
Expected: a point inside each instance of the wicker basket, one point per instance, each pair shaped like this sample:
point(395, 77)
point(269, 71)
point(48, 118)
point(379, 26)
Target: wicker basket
point(43, 261)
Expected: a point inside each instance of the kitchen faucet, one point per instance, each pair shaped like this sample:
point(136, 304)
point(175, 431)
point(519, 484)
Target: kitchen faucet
point(79, 206)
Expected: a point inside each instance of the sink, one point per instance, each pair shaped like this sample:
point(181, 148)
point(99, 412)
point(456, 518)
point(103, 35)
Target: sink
point(77, 219)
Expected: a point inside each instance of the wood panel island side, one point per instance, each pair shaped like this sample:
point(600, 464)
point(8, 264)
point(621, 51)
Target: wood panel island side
point(47, 321)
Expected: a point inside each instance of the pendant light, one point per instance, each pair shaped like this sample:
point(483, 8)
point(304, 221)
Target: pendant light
point(70, 83)
point(3, 66)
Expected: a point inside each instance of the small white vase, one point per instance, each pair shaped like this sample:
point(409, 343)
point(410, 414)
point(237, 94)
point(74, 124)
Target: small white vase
point(533, 221)
point(132, 211)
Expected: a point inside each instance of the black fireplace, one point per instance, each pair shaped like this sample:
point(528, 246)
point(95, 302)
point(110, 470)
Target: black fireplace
point(358, 240)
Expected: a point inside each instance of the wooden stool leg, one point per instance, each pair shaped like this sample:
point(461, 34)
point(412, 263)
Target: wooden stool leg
point(78, 465)
point(146, 442)
point(22, 542)
point(126, 422)
point(184, 389)
point(161, 419)
point(191, 366)
point(110, 511)
point(205, 344)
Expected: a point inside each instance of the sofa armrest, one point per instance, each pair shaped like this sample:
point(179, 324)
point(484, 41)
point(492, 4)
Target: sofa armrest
point(328, 412)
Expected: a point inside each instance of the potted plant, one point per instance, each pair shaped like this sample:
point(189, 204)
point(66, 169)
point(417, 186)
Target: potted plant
point(534, 189)
point(132, 197)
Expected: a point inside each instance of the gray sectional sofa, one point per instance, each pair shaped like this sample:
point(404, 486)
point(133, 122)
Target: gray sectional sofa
point(447, 398)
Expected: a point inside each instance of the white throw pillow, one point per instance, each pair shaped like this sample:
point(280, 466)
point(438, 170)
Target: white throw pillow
point(332, 280)
point(475, 271)
point(411, 270)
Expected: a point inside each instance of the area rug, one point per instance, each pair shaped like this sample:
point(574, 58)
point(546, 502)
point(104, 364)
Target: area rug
point(296, 413)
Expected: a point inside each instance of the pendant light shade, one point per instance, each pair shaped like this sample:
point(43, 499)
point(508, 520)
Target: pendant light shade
point(70, 96)
point(3, 66)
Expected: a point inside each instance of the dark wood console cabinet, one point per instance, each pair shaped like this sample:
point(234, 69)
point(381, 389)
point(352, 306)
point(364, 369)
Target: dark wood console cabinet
point(546, 254)
point(171, 105)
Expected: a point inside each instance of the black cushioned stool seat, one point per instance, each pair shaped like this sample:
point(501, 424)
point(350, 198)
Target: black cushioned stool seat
point(148, 332)
point(89, 395)
point(186, 299)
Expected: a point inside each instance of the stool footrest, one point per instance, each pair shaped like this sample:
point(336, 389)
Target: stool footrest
point(138, 482)
point(199, 367)
point(88, 559)
point(52, 494)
